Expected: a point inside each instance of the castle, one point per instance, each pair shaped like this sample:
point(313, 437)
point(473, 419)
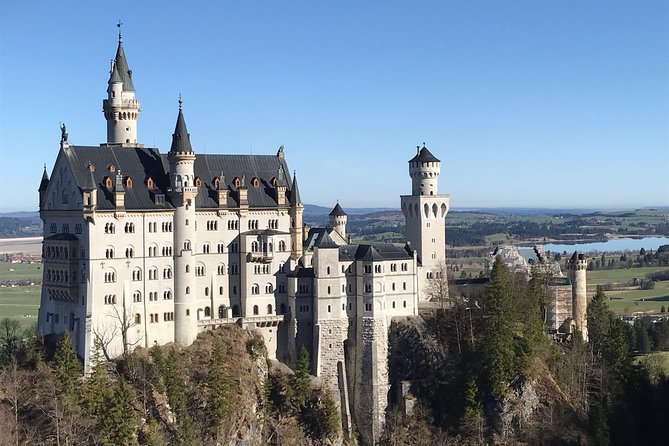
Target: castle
point(144, 248)
point(565, 309)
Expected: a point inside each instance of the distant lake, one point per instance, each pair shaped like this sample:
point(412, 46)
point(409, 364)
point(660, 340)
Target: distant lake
point(619, 244)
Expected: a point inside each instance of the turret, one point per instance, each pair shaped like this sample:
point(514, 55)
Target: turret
point(121, 109)
point(295, 212)
point(42, 187)
point(578, 266)
point(338, 220)
point(182, 192)
point(424, 169)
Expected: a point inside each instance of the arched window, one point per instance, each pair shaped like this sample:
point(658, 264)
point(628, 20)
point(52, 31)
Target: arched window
point(329, 309)
point(269, 309)
point(221, 311)
point(255, 309)
point(198, 182)
point(255, 182)
point(138, 318)
point(255, 289)
point(327, 270)
point(207, 312)
point(187, 290)
point(235, 310)
point(282, 246)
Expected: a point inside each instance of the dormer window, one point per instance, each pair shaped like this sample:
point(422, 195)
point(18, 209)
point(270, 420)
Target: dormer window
point(91, 167)
point(216, 182)
point(198, 182)
point(149, 182)
point(108, 182)
point(236, 181)
point(111, 168)
point(273, 181)
point(127, 182)
point(255, 182)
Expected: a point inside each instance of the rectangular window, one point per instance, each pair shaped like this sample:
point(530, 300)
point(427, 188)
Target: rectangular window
point(53, 227)
point(77, 228)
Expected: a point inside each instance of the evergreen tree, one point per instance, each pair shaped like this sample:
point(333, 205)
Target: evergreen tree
point(331, 420)
point(119, 421)
point(174, 379)
point(220, 399)
point(67, 367)
point(299, 384)
point(497, 346)
point(472, 401)
point(97, 390)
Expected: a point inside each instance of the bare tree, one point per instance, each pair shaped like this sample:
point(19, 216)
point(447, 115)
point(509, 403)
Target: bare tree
point(437, 285)
point(121, 323)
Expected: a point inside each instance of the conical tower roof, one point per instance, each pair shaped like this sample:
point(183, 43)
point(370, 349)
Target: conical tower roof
point(45, 181)
point(180, 137)
point(295, 192)
point(337, 211)
point(425, 156)
point(121, 65)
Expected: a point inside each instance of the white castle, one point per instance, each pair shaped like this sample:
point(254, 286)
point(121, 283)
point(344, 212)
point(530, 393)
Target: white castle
point(144, 248)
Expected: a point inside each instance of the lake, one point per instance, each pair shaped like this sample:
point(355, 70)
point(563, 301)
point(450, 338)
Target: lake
point(614, 245)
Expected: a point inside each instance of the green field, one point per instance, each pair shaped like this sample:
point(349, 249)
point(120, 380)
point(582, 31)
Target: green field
point(600, 277)
point(20, 271)
point(656, 359)
point(20, 303)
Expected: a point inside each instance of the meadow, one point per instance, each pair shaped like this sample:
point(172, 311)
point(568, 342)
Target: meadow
point(21, 302)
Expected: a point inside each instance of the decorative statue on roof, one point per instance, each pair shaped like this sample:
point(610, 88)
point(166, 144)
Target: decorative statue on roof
point(63, 133)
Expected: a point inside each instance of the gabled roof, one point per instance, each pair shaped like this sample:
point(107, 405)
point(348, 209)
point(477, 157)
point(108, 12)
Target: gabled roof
point(337, 211)
point(424, 156)
point(139, 163)
point(121, 64)
point(376, 252)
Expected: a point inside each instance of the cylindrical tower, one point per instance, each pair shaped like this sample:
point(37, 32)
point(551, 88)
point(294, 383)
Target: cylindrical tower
point(424, 171)
point(121, 109)
point(295, 211)
point(182, 193)
point(578, 266)
point(338, 219)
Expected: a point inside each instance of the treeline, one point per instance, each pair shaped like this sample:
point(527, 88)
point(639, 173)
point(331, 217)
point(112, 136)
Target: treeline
point(487, 374)
point(217, 391)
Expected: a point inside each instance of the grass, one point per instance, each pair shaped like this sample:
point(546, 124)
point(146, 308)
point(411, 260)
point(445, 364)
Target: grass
point(20, 271)
point(655, 359)
point(600, 277)
point(625, 302)
point(20, 303)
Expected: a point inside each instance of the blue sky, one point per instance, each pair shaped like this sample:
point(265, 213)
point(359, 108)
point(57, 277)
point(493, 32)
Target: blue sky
point(527, 103)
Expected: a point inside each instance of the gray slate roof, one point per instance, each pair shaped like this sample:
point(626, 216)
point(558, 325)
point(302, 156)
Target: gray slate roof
point(140, 163)
point(425, 156)
point(180, 137)
point(376, 252)
point(337, 211)
point(121, 64)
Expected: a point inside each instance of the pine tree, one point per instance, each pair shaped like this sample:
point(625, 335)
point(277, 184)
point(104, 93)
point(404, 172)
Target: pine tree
point(473, 407)
point(299, 384)
point(67, 367)
point(220, 399)
point(497, 346)
point(119, 423)
point(330, 417)
point(97, 390)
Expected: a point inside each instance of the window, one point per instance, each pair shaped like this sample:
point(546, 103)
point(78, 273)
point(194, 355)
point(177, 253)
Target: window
point(54, 227)
point(221, 311)
point(282, 309)
point(404, 304)
point(207, 312)
point(136, 296)
point(66, 197)
point(368, 288)
point(168, 316)
point(329, 309)
point(110, 277)
point(138, 318)
point(129, 228)
point(377, 268)
point(187, 245)
point(368, 269)
point(368, 307)
point(206, 291)
point(269, 309)
point(187, 290)
point(109, 253)
point(220, 290)
point(328, 290)
point(109, 228)
point(404, 286)
point(282, 246)
point(393, 304)
point(153, 296)
point(167, 295)
point(205, 248)
point(255, 309)
point(327, 270)
point(153, 273)
point(167, 273)
point(66, 228)
point(255, 289)
point(110, 299)
point(199, 270)
point(129, 252)
point(221, 269)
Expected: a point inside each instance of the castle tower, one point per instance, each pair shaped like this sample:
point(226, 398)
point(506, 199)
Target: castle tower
point(425, 212)
point(121, 109)
point(578, 266)
point(182, 194)
point(338, 220)
point(296, 210)
point(42, 188)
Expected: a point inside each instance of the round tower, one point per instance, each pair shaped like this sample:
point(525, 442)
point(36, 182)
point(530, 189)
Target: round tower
point(578, 266)
point(182, 194)
point(424, 171)
point(338, 219)
point(121, 108)
point(295, 212)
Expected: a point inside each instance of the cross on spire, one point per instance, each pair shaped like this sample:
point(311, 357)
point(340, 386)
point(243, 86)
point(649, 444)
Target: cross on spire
point(180, 101)
point(119, 24)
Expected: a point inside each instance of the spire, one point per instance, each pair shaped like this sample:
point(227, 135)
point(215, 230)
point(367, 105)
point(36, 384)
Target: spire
point(180, 137)
point(121, 64)
point(45, 181)
point(295, 192)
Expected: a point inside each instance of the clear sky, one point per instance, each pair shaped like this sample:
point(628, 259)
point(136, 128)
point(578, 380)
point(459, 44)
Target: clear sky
point(527, 103)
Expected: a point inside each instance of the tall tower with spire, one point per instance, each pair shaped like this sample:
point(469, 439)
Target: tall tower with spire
point(425, 213)
point(121, 108)
point(182, 193)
